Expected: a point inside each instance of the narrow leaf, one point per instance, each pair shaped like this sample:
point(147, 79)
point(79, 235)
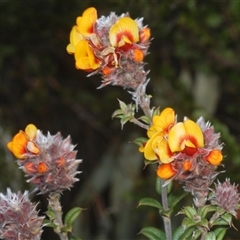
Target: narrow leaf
point(153, 233)
point(220, 233)
point(72, 215)
point(174, 200)
point(150, 202)
point(187, 233)
point(178, 232)
point(210, 236)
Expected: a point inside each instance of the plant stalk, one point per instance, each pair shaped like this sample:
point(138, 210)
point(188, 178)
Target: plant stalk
point(54, 203)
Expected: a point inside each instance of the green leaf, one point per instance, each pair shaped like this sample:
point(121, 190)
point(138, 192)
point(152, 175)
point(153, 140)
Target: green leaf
point(50, 213)
point(158, 185)
point(122, 105)
point(178, 232)
point(150, 202)
point(187, 234)
point(227, 217)
point(153, 233)
point(174, 200)
point(118, 113)
point(219, 221)
point(71, 216)
point(220, 233)
point(187, 223)
point(190, 212)
point(145, 119)
point(139, 141)
point(49, 223)
point(210, 236)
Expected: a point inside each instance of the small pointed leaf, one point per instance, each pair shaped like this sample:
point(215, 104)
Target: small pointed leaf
point(174, 200)
point(72, 215)
point(150, 202)
point(153, 233)
point(210, 236)
point(220, 233)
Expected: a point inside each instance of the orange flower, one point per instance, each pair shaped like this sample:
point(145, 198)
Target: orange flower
point(85, 23)
point(85, 58)
point(22, 142)
point(214, 157)
point(165, 171)
point(124, 32)
point(185, 137)
point(42, 167)
point(144, 35)
point(138, 55)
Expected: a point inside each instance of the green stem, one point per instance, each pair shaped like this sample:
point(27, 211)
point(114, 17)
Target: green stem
point(54, 203)
point(166, 219)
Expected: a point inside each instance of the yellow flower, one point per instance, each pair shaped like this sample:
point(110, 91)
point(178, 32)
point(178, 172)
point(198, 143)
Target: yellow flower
point(124, 32)
point(185, 137)
point(85, 23)
point(75, 38)
point(23, 142)
point(162, 122)
point(85, 58)
point(157, 146)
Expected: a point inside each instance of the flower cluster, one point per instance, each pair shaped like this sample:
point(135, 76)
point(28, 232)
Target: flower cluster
point(226, 196)
point(18, 217)
point(187, 151)
point(113, 46)
point(49, 161)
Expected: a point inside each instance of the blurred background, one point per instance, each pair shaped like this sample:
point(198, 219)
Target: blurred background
point(195, 68)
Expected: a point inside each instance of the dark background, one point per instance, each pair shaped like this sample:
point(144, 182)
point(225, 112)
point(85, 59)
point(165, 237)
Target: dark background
point(195, 68)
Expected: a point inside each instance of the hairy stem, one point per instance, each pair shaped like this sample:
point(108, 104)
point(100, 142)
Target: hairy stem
point(166, 219)
point(140, 124)
point(54, 203)
point(144, 102)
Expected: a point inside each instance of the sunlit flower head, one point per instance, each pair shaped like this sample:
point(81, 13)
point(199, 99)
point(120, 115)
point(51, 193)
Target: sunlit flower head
point(114, 46)
point(18, 217)
point(54, 166)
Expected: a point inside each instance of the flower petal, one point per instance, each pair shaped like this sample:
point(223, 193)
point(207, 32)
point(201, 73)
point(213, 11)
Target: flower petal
point(75, 38)
point(31, 131)
point(125, 30)
point(214, 157)
point(85, 23)
point(85, 58)
point(165, 154)
point(145, 34)
point(150, 146)
point(162, 122)
point(165, 171)
point(18, 145)
point(185, 135)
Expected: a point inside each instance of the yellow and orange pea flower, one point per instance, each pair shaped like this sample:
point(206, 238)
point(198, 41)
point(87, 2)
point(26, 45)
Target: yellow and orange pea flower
point(157, 133)
point(88, 50)
point(23, 142)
